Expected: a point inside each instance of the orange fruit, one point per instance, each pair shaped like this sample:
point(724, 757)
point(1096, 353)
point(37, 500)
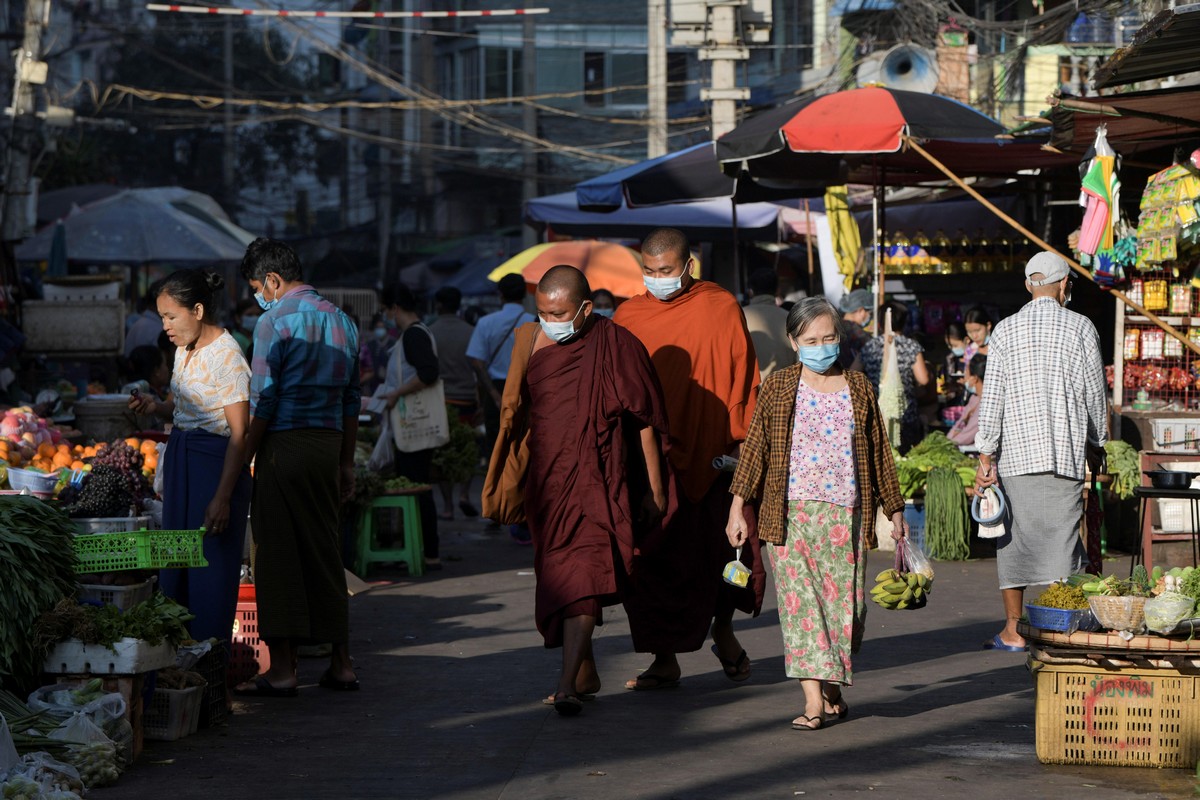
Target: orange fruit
point(62, 460)
point(134, 442)
point(151, 463)
point(46, 449)
point(76, 465)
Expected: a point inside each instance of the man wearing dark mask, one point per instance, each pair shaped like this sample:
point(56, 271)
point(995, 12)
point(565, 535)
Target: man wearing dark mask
point(586, 393)
point(703, 353)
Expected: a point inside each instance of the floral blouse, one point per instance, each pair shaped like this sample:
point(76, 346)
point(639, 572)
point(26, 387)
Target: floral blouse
point(217, 376)
point(822, 459)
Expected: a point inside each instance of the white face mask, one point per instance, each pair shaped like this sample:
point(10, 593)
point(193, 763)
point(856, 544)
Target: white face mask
point(560, 331)
point(662, 288)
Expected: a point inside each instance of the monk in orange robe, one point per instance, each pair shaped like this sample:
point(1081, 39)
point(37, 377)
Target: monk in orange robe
point(697, 338)
point(596, 478)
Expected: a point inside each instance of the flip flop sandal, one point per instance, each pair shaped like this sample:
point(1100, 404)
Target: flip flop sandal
point(996, 643)
point(733, 669)
point(651, 683)
point(587, 698)
point(797, 726)
point(839, 703)
point(264, 688)
point(568, 705)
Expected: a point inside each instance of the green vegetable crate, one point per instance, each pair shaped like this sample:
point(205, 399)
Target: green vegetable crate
point(141, 549)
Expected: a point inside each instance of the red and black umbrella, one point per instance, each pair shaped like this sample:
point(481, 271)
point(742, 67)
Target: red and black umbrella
point(868, 121)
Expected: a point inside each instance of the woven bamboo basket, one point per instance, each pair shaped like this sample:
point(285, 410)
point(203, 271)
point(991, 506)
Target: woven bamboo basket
point(1119, 613)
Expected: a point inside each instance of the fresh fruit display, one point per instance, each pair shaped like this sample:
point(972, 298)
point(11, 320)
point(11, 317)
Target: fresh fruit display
point(105, 493)
point(401, 483)
point(901, 590)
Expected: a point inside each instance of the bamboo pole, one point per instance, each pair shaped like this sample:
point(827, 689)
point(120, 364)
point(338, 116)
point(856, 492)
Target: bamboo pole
point(1169, 329)
point(808, 237)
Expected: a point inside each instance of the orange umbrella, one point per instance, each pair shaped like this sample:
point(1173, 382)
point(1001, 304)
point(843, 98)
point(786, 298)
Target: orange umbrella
point(608, 266)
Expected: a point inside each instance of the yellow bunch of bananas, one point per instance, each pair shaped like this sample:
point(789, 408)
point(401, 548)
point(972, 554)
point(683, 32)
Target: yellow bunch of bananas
point(900, 590)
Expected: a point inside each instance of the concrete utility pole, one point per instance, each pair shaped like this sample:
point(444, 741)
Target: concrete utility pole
point(529, 121)
point(656, 78)
point(384, 211)
point(30, 71)
point(228, 154)
point(724, 49)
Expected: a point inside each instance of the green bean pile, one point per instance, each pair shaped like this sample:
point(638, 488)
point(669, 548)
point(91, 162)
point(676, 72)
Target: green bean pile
point(947, 521)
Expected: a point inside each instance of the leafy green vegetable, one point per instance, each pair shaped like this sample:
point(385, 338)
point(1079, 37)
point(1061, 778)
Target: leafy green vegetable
point(37, 569)
point(456, 461)
point(1125, 466)
point(935, 450)
point(155, 620)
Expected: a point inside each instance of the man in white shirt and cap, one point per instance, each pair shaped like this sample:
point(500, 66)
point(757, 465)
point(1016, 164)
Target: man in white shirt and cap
point(1043, 422)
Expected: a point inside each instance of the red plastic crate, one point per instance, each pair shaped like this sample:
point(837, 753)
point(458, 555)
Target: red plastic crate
point(248, 655)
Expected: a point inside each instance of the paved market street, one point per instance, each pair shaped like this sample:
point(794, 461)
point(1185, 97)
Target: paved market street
point(453, 671)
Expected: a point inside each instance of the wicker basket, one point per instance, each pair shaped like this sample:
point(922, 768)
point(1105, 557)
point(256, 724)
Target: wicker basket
point(1120, 613)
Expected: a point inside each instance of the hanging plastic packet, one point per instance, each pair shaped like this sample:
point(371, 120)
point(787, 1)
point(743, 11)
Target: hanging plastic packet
point(988, 510)
point(736, 573)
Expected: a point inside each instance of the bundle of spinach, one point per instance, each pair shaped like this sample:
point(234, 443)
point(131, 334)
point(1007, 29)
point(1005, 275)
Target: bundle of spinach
point(37, 569)
point(157, 620)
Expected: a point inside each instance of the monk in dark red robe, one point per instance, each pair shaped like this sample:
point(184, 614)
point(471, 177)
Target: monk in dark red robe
point(702, 351)
point(596, 477)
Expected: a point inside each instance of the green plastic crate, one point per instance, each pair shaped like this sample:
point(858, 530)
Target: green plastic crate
point(141, 549)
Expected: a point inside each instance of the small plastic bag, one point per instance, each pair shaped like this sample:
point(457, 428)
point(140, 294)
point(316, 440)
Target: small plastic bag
point(736, 573)
point(91, 751)
point(1165, 612)
point(909, 558)
point(383, 455)
point(106, 711)
point(8, 751)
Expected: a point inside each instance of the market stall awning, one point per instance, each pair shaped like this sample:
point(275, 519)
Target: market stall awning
point(1169, 44)
point(1137, 121)
point(704, 220)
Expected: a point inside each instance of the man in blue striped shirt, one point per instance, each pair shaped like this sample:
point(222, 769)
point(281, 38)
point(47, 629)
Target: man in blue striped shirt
point(304, 405)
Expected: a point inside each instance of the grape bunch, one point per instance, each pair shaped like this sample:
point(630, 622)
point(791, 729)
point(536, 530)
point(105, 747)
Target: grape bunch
point(105, 493)
point(128, 461)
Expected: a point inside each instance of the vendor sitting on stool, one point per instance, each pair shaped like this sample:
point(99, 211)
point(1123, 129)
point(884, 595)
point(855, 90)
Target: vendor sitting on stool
point(963, 432)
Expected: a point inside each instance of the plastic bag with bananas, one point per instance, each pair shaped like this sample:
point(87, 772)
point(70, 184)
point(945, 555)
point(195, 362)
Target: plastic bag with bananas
point(895, 590)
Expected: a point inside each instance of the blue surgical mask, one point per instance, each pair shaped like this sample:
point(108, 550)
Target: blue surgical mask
point(819, 357)
point(969, 389)
point(662, 288)
point(560, 331)
point(603, 312)
point(381, 333)
point(263, 302)
point(986, 339)
point(957, 352)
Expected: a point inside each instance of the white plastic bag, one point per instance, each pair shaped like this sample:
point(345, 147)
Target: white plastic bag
point(988, 507)
point(106, 711)
point(8, 750)
point(383, 456)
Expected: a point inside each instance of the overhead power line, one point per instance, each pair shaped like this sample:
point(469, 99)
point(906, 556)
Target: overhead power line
point(283, 12)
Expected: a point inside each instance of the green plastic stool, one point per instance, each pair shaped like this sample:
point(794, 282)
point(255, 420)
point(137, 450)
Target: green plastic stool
point(411, 551)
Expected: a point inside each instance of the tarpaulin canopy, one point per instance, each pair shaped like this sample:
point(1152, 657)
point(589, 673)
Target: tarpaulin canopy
point(707, 220)
point(694, 174)
point(137, 226)
point(1136, 121)
point(1169, 44)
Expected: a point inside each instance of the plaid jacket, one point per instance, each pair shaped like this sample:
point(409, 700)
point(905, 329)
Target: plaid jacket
point(763, 465)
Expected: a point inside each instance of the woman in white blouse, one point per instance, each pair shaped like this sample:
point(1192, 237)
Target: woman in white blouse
point(205, 479)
